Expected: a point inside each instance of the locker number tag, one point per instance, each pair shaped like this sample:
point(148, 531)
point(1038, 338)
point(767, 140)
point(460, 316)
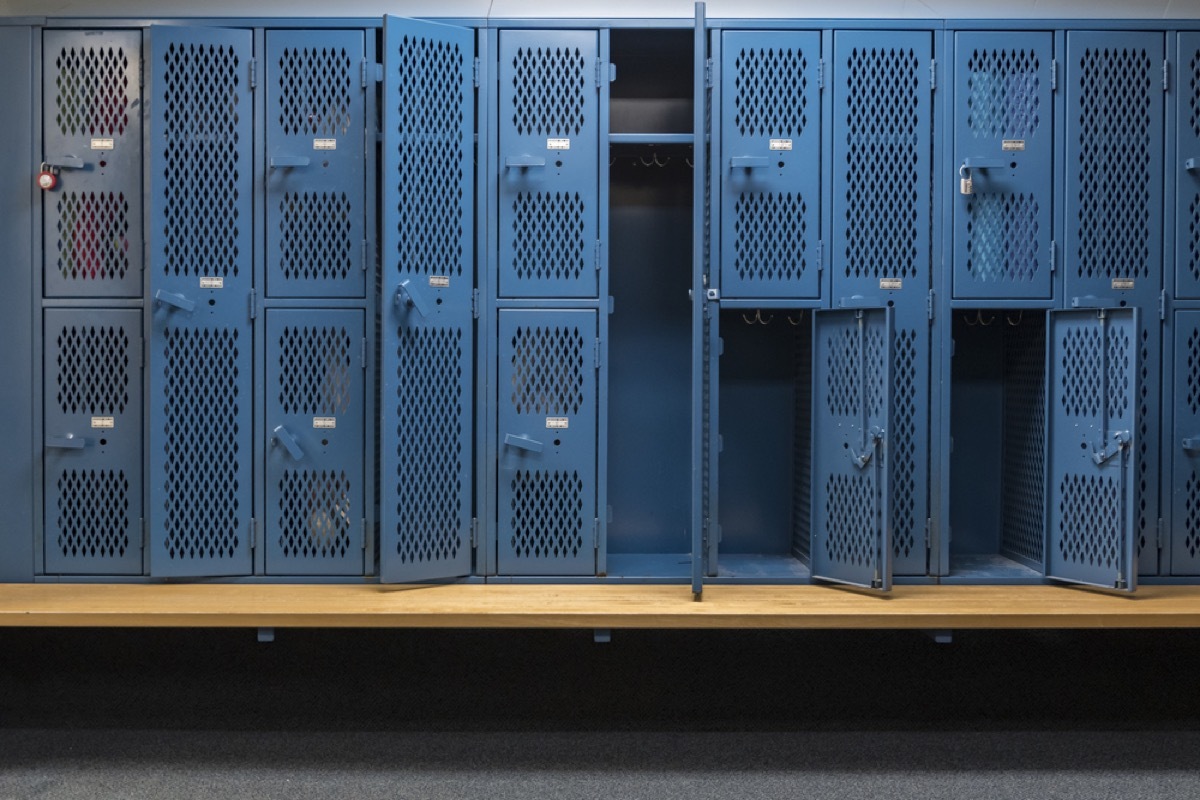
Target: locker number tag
point(781, 144)
point(103, 144)
point(439, 281)
point(106, 423)
point(558, 423)
point(324, 144)
point(325, 423)
point(558, 144)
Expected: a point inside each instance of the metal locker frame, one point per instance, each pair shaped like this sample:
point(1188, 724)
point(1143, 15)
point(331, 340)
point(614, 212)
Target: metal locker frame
point(1182, 450)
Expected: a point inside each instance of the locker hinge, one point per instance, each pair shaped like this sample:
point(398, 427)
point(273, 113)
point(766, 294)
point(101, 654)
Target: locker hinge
point(708, 72)
point(474, 532)
point(820, 256)
point(141, 353)
point(600, 73)
point(1054, 75)
point(363, 70)
point(1160, 534)
point(596, 533)
point(145, 532)
point(475, 304)
point(364, 533)
point(253, 303)
point(820, 73)
point(254, 73)
point(599, 254)
point(1053, 256)
point(362, 353)
point(933, 74)
point(929, 303)
point(253, 534)
point(1166, 75)
point(475, 69)
point(141, 72)
point(596, 351)
point(1162, 304)
point(364, 255)
point(928, 534)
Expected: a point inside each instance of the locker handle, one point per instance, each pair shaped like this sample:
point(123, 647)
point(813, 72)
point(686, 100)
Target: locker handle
point(289, 442)
point(1120, 442)
point(405, 294)
point(1190, 164)
point(289, 161)
point(979, 162)
point(68, 442)
point(748, 162)
point(858, 301)
point(874, 437)
point(176, 300)
point(64, 162)
point(1191, 444)
point(523, 442)
point(524, 161)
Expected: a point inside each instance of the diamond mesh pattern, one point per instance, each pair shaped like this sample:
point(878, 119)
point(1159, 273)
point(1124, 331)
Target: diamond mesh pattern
point(314, 370)
point(1194, 94)
point(852, 525)
point(547, 514)
point(1146, 520)
point(882, 226)
point(548, 91)
point(873, 381)
point(547, 233)
point(314, 514)
point(770, 236)
point(802, 445)
point(93, 513)
point(93, 235)
point(1193, 244)
point(201, 409)
point(771, 98)
point(1023, 457)
point(200, 160)
point(314, 91)
point(90, 85)
point(547, 370)
point(1119, 373)
point(93, 370)
point(1193, 372)
point(1114, 165)
point(428, 108)
point(316, 228)
point(903, 488)
point(844, 397)
point(1191, 524)
point(1091, 520)
point(1082, 380)
point(1002, 94)
point(1002, 237)
point(428, 425)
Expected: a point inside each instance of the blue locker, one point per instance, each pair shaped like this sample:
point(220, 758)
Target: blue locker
point(1114, 141)
point(1093, 436)
point(770, 166)
point(1186, 168)
point(92, 134)
point(1184, 447)
point(549, 110)
point(316, 360)
point(426, 429)
point(852, 406)
point(201, 353)
point(316, 118)
point(547, 429)
point(93, 442)
point(1004, 146)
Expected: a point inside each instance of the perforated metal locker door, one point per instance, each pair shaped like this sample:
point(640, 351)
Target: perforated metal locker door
point(1004, 146)
point(547, 431)
point(201, 353)
point(92, 399)
point(92, 133)
point(1184, 447)
point(316, 100)
point(852, 401)
point(549, 163)
point(1093, 437)
point(1186, 165)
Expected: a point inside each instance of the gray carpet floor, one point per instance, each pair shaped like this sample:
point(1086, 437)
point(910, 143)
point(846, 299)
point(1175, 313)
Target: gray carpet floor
point(653, 714)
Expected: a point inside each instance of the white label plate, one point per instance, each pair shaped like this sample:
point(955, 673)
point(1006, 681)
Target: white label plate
point(558, 144)
point(325, 423)
point(1122, 283)
point(104, 422)
point(212, 283)
point(1012, 145)
point(439, 281)
point(781, 144)
point(324, 144)
point(103, 144)
point(558, 423)
point(891, 283)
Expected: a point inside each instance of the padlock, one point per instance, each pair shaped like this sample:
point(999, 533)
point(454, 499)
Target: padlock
point(965, 184)
point(47, 178)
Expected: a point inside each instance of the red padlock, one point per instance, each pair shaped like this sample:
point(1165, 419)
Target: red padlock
point(47, 178)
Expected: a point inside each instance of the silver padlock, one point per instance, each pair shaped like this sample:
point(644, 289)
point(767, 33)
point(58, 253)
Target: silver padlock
point(965, 184)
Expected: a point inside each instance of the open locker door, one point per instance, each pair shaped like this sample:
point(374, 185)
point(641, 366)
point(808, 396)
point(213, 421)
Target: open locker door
point(427, 282)
point(1092, 426)
point(852, 408)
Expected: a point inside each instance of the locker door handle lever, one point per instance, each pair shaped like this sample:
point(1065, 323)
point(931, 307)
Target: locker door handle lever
point(1120, 441)
point(406, 294)
point(522, 442)
point(873, 437)
point(289, 442)
point(278, 162)
point(68, 442)
point(64, 162)
point(175, 300)
point(1191, 164)
point(979, 162)
point(748, 162)
point(524, 161)
point(1191, 444)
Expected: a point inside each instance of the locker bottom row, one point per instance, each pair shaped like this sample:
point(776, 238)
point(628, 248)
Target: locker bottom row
point(1045, 449)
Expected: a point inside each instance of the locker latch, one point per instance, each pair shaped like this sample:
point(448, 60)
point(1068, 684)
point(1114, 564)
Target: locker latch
point(873, 437)
point(1191, 444)
point(174, 300)
point(1119, 443)
point(47, 179)
point(407, 295)
point(289, 442)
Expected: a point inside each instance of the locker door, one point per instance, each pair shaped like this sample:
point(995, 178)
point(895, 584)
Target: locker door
point(1004, 144)
point(852, 401)
point(549, 163)
point(1185, 447)
point(1187, 169)
point(201, 353)
point(1093, 436)
point(771, 164)
point(93, 437)
point(92, 129)
point(426, 428)
point(1114, 165)
point(315, 429)
point(547, 442)
point(316, 118)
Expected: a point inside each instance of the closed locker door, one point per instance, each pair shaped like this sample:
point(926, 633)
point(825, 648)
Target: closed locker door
point(549, 163)
point(92, 134)
point(1184, 447)
point(316, 361)
point(1186, 166)
point(852, 387)
point(316, 119)
point(93, 438)
point(201, 352)
point(547, 443)
point(427, 362)
point(770, 165)
point(1004, 149)
point(1093, 436)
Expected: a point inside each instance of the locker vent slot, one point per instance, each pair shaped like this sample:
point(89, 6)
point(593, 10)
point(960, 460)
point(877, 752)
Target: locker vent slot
point(1146, 520)
point(1119, 352)
point(1194, 91)
point(548, 240)
point(547, 514)
point(93, 513)
point(770, 236)
point(844, 397)
point(1002, 94)
point(883, 163)
point(1002, 237)
point(316, 228)
point(314, 514)
point(907, 529)
point(1082, 382)
point(1193, 375)
point(200, 160)
point(315, 369)
point(1193, 254)
point(549, 91)
point(314, 96)
point(1091, 520)
point(430, 375)
point(429, 110)
point(201, 433)
point(772, 98)
point(1116, 158)
point(547, 371)
point(802, 445)
point(90, 91)
point(852, 523)
point(1023, 476)
point(1191, 540)
point(93, 370)
point(93, 235)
